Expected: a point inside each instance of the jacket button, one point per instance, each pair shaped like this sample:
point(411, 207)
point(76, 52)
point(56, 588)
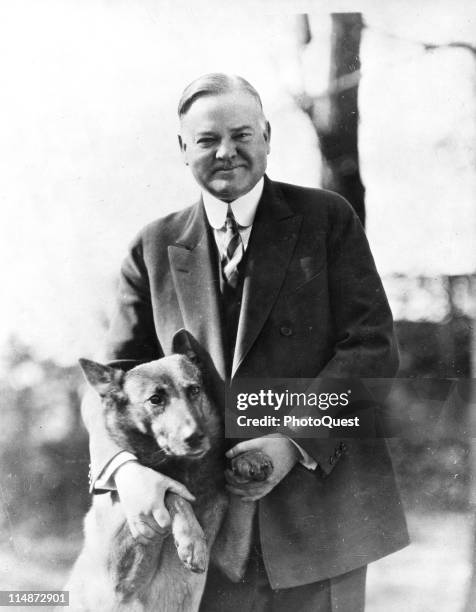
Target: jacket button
point(331, 460)
point(285, 330)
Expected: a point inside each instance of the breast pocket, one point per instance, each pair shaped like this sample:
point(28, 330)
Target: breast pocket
point(310, 282)
point(304, 299)
point(307, 267)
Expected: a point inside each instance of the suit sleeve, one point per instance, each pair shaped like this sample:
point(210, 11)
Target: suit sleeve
point(131, 340)
point(365, 344)
point(132, 334)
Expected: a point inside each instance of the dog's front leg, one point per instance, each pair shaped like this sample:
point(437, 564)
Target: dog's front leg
point(233, 544)
point(231, 549)
point(189, 538)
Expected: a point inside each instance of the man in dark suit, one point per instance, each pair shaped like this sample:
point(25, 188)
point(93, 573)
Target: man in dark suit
point(272, 280)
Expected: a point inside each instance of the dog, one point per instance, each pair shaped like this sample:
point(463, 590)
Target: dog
point(161, 412)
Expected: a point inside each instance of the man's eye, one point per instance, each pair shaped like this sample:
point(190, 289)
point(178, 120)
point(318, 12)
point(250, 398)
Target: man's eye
point(204, 142)
point(243, 136)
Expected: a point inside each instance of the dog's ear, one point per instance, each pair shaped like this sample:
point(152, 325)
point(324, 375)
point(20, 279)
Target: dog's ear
point(182, 343)
point(102, 378)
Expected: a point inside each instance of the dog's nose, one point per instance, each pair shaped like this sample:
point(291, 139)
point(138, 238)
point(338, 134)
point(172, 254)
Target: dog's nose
point(195, 439)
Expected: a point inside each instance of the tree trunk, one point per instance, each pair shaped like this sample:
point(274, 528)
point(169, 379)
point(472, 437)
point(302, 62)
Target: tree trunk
point(471, 596)
point(336, 116)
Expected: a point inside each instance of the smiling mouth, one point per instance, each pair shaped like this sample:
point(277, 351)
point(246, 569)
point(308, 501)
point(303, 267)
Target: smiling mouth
point(227, 169)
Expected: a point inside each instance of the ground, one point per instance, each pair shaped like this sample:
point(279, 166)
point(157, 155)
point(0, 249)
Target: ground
point(431, 575)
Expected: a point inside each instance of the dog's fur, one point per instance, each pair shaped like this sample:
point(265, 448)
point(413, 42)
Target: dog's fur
point(161, 412)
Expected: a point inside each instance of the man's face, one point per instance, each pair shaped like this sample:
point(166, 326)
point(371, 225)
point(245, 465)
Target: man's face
point(225, 141)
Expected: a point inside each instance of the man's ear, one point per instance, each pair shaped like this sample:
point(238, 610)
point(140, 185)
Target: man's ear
point(102, 378)
point(267, 135)
point(183, 148)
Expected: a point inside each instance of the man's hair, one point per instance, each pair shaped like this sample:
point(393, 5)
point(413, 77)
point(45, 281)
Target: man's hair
point(214, 84)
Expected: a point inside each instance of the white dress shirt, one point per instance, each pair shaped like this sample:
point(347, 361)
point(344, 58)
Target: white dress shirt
point(243, 209)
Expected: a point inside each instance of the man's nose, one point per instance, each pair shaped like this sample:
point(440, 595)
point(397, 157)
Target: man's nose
point(226, 149)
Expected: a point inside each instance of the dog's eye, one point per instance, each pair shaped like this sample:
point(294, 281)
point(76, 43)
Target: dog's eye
point(158, 399)
point(194, 391)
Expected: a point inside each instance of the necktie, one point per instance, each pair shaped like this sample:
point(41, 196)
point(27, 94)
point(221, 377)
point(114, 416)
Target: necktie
point(232, 250)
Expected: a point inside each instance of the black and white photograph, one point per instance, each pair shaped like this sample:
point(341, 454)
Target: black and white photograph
point(238, 348)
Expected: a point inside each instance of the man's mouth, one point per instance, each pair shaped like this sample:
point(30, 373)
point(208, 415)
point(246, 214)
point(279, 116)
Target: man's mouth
point(228, 169)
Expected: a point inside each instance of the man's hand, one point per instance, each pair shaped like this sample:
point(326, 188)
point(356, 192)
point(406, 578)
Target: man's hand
point(283, 454)
point(142, 492)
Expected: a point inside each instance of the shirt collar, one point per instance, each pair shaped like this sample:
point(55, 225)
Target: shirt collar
point(243, 208)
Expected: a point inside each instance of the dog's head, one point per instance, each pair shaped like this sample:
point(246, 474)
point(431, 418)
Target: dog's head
point(162, 401)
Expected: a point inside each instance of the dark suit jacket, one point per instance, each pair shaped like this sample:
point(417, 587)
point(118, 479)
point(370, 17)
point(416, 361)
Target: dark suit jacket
point(313, 305)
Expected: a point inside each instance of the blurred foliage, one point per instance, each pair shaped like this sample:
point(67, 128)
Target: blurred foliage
point(43, 445)
point(439, 350)
point(442, 298)
point(433, 474)
point(433, 465)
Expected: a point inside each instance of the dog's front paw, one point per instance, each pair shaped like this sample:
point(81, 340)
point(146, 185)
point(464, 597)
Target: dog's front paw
point(252, 465)
point(190, 543)
point(192, 551)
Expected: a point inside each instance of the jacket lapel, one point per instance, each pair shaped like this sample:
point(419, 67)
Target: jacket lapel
point(272, 242)
point(196, 284)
